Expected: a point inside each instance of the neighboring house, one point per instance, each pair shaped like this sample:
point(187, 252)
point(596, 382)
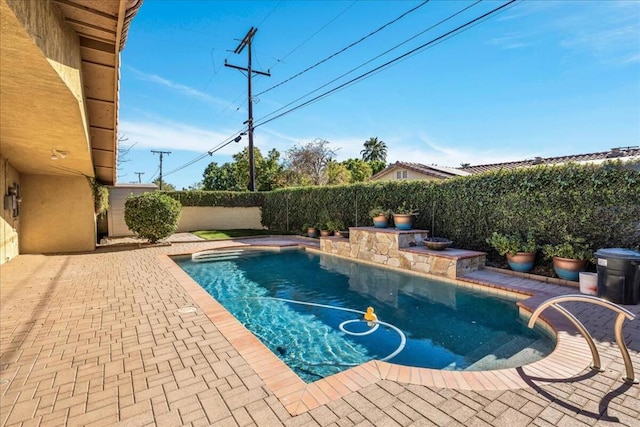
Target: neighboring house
point(60, 70)
point(412, 171)
point(407, 171)
point(618, 153)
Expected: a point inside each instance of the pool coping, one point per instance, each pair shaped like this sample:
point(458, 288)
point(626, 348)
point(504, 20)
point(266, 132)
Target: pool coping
point(569, 358)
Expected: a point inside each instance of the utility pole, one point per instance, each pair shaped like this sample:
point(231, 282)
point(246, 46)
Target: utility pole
point(246, 41)
point(139, 176)
point(161, 154)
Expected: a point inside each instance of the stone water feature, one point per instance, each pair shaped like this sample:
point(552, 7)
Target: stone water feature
point(402, 249)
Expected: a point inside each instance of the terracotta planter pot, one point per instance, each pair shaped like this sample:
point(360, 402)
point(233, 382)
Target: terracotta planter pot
point(380, 221)
point(325, 233)
point(569, 269)
point(403, 221)
point(312, 232)
point(521, 261)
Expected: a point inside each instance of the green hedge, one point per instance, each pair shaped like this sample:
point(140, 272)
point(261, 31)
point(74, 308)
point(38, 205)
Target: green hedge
point(599, 203)
point(236, 199)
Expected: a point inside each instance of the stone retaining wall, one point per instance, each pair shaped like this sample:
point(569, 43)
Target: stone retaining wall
point(402, 249)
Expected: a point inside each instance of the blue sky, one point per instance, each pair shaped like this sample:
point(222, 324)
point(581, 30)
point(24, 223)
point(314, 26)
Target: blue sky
point(541, 78)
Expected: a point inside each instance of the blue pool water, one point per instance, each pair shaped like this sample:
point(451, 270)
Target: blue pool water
point(296, 301)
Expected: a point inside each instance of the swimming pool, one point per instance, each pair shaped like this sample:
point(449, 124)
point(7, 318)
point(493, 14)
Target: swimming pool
point(297, 301)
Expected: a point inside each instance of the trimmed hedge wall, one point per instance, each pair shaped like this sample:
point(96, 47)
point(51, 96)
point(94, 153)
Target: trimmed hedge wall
point(231, 199)
point(598, 203)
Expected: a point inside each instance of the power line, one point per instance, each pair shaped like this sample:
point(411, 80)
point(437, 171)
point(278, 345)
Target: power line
point(269, 14)
point(316, 33)
point(345, 48)
point(161, 153)
point(139, 176)
point(153, 176)
point(388, 63)
point(224, 143)
point(431, 43)
point(373, 59)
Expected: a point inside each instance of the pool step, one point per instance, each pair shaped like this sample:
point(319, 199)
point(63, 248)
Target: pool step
point(217, 255)
point(486, 348)
point(516, 352)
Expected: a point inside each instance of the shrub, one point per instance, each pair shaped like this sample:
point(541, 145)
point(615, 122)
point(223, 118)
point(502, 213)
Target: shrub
point(152, 216)
point(571, 247)
point(405, 209)
point(378, 211)
point(335, 225)
point(512, 243)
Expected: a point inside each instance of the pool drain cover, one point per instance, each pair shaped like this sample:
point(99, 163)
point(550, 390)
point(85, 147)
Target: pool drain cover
point(186, 310)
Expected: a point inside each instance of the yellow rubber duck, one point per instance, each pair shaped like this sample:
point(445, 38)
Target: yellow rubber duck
point(370, 317)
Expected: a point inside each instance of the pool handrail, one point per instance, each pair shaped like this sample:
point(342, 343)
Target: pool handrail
point(622, 314)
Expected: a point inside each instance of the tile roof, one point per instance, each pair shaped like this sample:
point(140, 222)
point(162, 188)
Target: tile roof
point(614, 153)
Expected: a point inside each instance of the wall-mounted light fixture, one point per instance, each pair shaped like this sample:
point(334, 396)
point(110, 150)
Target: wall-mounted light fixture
point(12, 200)
point(55, 154)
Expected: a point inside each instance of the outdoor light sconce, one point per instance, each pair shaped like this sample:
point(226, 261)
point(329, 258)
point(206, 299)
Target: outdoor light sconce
point(55, 154)
point(12, 200)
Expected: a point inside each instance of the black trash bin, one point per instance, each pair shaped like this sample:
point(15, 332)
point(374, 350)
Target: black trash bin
point(619, 275)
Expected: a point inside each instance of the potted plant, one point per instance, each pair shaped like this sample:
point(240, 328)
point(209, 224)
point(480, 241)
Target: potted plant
point(311, 230)
point(403, 216)
point(337, 227)
point(324, 229)
point(380, 217)
point(569, 257)
point(520, 252)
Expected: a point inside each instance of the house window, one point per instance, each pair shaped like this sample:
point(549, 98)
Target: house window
point(401, 174)
point(404, 174)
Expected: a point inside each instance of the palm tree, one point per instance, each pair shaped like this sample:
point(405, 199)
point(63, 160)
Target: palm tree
point(374, 149)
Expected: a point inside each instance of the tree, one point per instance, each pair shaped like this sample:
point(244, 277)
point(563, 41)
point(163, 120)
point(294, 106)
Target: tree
point(337, 173)
point(309, 161)
point(374, 149)
point(221, 178)
point(234, 176)
point(360, 170)
point(165, 185)
point(195, 186)
point(377, 166)
point(271, 172)
point(122, 155)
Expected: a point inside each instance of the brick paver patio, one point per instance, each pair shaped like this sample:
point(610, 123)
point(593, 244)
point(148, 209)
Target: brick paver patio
point(97, 339)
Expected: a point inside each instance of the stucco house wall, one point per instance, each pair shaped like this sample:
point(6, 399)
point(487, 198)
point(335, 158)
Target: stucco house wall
point(219, 218)
point(57, 214)
point(192, 218)
point(391, 175)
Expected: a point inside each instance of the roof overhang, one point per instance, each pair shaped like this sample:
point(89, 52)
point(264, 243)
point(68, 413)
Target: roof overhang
point(61, 91)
